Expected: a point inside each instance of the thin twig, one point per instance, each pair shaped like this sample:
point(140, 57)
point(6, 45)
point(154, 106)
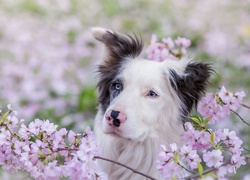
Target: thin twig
point(134, 171)
point(186, 169)
point(240, 117)
point(191, 177)
point(246, 149)
point(246, 106)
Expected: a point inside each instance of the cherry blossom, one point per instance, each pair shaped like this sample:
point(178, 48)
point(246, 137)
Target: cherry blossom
point(160, 51)
point(38, 147)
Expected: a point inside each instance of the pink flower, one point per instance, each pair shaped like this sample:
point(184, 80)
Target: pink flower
point(183, 42)
point(188, 136)
point(52, 170)
point(225, 95)
point(72, 136)
point(21, 147)
point(12, 122)
point(213, 158)
point(89, 135)
point(168, 43)
point(221, 172)
point(240, 95)
point(10, 109)
point(171, 170)
point(189, 156)
point(154, 39)
point(238, 160)
point(173, 147)
point(229, 136)
point(35, 126)
point(203, 137)
point(48, 127)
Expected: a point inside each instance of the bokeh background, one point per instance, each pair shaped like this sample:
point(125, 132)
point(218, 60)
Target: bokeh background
point(48, 57)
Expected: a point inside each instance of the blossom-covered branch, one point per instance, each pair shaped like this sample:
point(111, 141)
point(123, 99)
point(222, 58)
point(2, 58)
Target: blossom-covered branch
point(46, 152)
point(167, 48)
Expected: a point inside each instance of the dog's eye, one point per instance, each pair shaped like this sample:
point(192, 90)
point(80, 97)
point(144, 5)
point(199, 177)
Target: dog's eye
point(152, 94)
point(116, 86)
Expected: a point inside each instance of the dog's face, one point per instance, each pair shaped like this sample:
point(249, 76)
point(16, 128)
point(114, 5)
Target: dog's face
point(141, 98)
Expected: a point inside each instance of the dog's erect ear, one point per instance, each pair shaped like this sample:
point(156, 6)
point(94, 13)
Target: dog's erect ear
point(118, 45)
point(191, 85)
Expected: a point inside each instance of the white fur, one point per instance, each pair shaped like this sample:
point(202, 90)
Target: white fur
point(150, 121)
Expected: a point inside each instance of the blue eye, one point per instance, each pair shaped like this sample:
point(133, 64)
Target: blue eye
point(117, 86)
point(152, 94)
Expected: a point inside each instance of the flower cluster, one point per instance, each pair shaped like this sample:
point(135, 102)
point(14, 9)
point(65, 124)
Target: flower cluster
point(220, 150)
point(167, 48)
point(217, 106)
point(46, 152)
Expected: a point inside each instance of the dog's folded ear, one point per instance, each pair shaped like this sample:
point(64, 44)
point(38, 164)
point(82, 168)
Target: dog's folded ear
point(118, 46)
point(191, 85)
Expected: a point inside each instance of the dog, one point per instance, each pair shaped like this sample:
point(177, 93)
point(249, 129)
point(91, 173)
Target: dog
point(143, 104)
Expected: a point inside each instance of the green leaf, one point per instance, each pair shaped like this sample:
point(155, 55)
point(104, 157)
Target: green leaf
point(212, 175)
point(33, 138)
point(4, 116)
point(212, 137)
point(200, 168)
point(207, 120)
point(176, 158)
point(196, 120)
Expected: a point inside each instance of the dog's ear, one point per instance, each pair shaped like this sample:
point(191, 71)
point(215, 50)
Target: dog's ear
point(118, 46)
point(191, 85)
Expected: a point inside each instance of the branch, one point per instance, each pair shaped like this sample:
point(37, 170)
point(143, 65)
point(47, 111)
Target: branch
point(134, 171)
point(246, 106)
point(246, 149)
point(240, 117)
point(191, 177)
point(186, 169)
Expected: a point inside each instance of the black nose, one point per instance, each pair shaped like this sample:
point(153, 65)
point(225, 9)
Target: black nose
point(114, 115)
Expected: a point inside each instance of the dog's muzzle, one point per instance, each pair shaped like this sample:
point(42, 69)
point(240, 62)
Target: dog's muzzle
point(115, 118)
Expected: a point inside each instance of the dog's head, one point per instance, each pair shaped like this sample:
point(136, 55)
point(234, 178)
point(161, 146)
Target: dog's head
point(140, 98)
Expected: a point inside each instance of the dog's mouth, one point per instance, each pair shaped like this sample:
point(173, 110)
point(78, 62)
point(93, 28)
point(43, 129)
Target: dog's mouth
point(114, 131)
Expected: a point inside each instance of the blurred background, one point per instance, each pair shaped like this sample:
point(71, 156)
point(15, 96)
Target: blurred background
point(48, 57)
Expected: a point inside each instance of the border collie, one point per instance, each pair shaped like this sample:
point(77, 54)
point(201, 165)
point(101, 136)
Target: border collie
point(143, 104)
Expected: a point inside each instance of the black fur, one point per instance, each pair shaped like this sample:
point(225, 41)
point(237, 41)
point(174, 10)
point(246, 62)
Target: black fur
point(118, 48)
point(191, 86)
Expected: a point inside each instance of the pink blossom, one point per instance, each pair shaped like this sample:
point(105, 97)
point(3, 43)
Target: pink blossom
point(203, 137)
point(168, 42)
point(154, 39)
point(10, 109)
point(170, 170)
point(183, 42)
point(72, 136)
point(189, 156)
point(160, 51)
point(21, 147)
point(48, 127)
point(216, 109)
point(188, 136)
point(35, 126)
point(229, 136)
point(52, 170)
point(238, 160)
point(213, 158)
point(225, 95)
point(221, 172)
